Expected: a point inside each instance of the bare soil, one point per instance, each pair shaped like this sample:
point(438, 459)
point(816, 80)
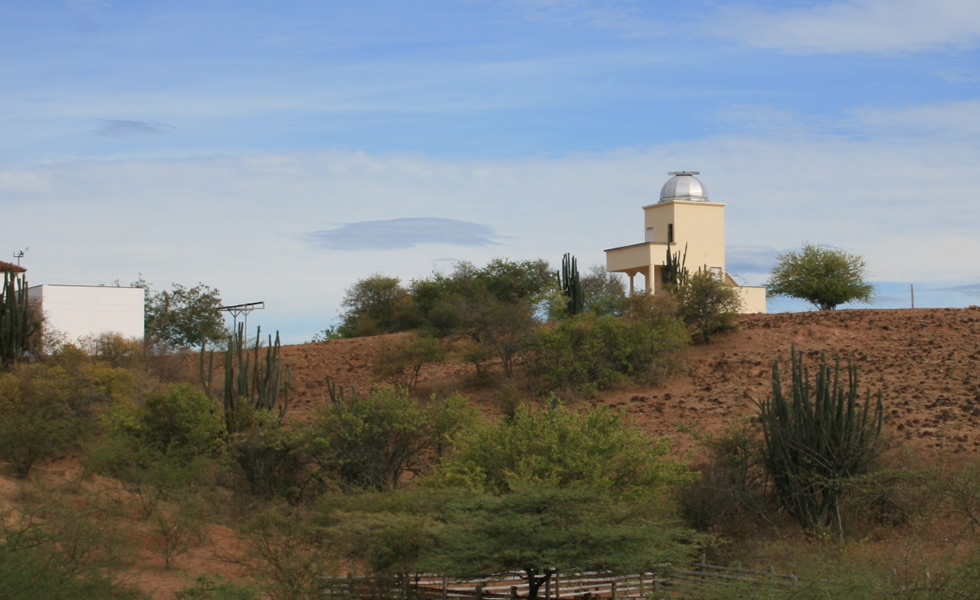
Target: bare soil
point(925, 362)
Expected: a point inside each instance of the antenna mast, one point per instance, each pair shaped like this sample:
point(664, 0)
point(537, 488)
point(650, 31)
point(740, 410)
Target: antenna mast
point(241, 309)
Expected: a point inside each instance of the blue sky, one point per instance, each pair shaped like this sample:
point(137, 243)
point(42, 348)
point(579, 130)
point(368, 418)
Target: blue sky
point(279, 151)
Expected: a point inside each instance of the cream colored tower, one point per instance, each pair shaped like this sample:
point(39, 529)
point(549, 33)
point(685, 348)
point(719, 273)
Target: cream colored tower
point(684, 220)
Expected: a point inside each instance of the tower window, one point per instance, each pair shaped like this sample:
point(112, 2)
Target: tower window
point(670, 233)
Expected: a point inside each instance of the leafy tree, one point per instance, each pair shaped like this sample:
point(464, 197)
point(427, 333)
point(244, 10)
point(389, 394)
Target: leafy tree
point(707, 304)
point(539, 529)
point(386, 534)
point(824, 277)
point(370, 442)
point(816, 440)
point(375, 305)
point(558, 447)
point(605, 292)
point(182, 317)
point(497, 306)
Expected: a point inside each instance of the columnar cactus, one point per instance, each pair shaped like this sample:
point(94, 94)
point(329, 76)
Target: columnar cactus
point(19, 324)
point(818, 438)
point(247, 382)
point(571, 287)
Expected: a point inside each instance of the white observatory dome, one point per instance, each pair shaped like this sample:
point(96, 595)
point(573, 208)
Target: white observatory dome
point(684, 186)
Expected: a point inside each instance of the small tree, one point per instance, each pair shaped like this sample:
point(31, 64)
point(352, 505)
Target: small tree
point(538, 530)
point(402, 363)
point(182, 317)
point(375, 305)
point(597, 448)
point(707, 304)
point(605, 292)
point(824, 277)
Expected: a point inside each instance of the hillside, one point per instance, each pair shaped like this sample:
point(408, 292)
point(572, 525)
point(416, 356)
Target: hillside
point(924, 361)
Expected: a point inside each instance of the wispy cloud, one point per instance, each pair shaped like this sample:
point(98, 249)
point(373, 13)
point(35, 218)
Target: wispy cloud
point(873, 26)
point(949, 118)
point(126, 128)
point(970, 290)
point(394, 234)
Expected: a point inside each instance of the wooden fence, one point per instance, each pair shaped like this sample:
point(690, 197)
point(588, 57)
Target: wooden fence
point(691, 581)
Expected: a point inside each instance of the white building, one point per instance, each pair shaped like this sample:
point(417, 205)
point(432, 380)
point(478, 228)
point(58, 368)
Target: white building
point(81, 311)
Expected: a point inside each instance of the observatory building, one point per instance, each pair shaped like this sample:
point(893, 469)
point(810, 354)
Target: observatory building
point(685, 223)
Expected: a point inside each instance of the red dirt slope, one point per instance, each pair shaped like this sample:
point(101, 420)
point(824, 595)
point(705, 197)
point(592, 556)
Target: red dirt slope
point(925, 362)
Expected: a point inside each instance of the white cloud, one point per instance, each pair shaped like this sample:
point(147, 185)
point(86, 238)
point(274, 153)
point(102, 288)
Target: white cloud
point(960, 119)
point(874, 26)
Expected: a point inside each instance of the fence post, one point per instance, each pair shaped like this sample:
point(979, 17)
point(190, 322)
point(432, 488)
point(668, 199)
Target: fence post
point(613, 592)
point(479, 592)
point(557, 585)
point(350, 576)
point(445, 587)
point(547, 589)
point(513, 592)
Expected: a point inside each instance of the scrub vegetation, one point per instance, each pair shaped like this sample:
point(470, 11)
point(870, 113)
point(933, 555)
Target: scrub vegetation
point(400, 478)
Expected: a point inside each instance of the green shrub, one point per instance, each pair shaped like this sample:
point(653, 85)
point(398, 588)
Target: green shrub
point(371, 442)
point(730, 497)
point(402, 363)
point(54, 550)
point(43, 414)
point(707, 304)
point(216, 587)
point(170, 441)
point(587, 352)
point(271, 460)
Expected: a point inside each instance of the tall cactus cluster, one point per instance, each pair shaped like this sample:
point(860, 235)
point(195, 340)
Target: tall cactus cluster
point(818, 438)
point(252, 382)
point(674, 272)
point(18, 323)
point(571, 286)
